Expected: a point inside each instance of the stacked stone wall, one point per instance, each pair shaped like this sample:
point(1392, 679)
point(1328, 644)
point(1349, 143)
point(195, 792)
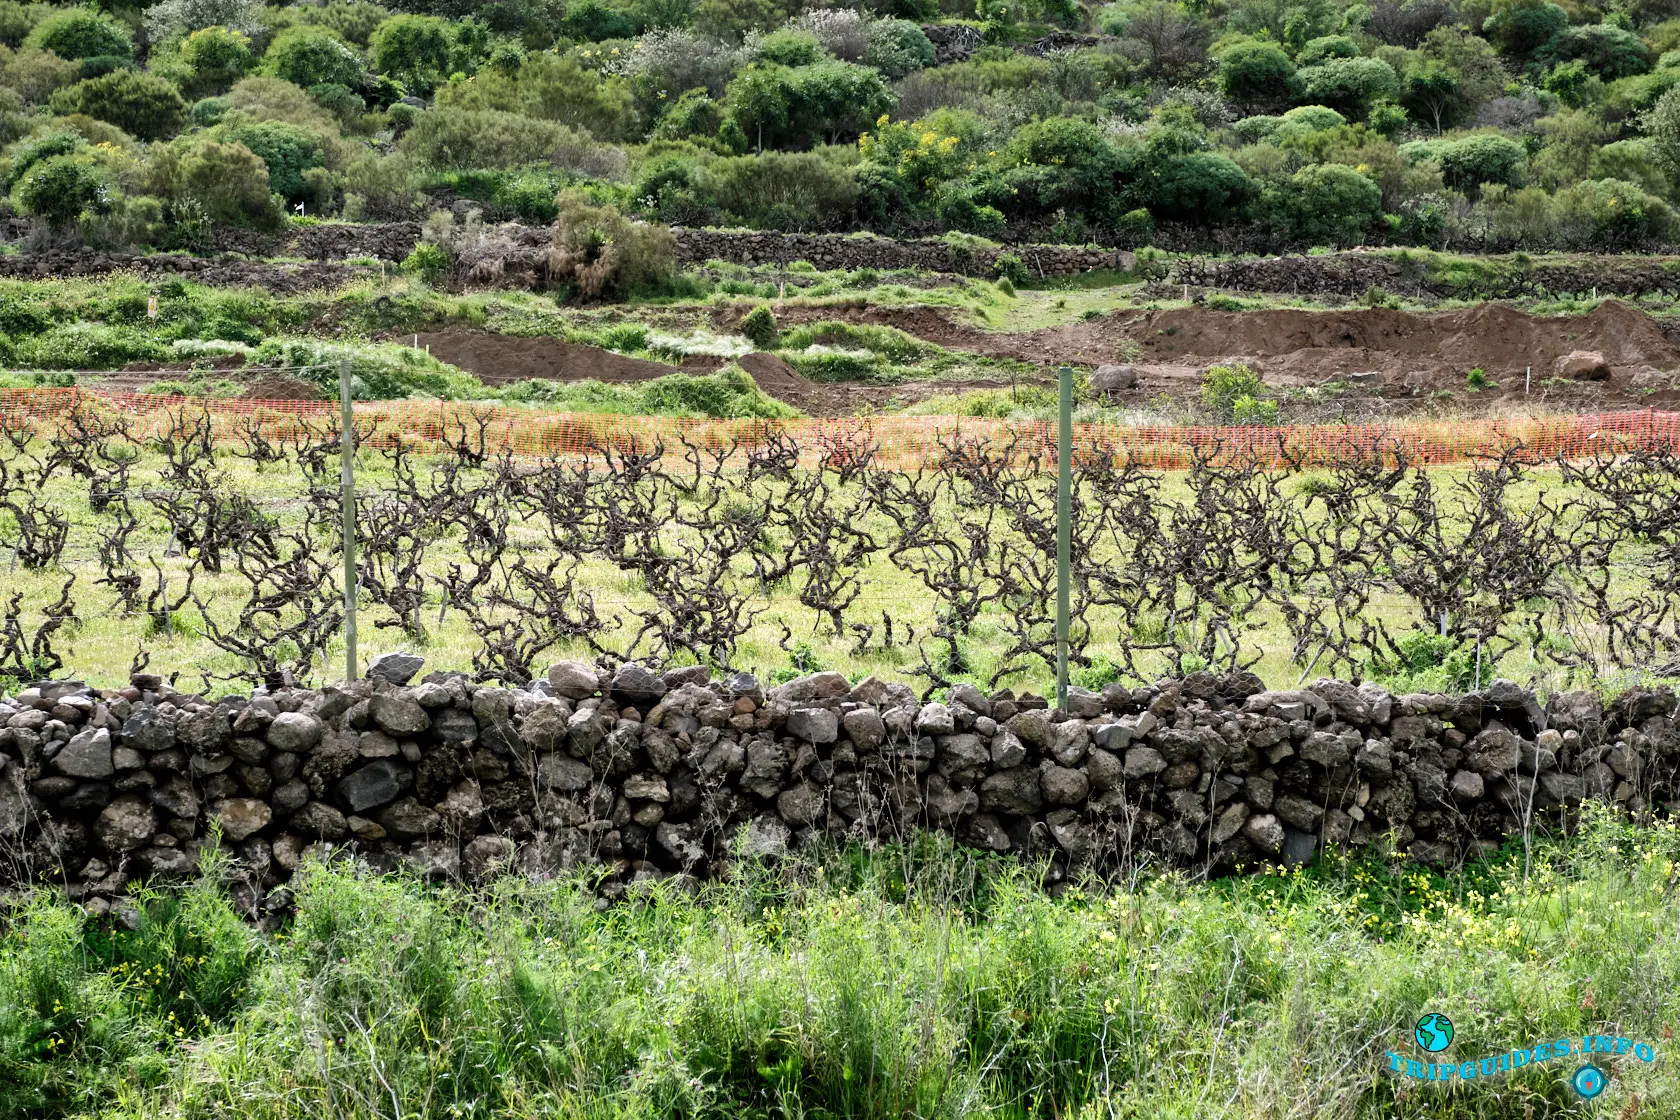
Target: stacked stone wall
point(654, 776)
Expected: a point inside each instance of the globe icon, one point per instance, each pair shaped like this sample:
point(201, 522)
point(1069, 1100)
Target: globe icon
point(1589, 1081)
point(1434, 1032)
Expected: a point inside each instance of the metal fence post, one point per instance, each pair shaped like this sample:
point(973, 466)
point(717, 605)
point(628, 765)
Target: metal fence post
point(347, 507)
point(1064, 528)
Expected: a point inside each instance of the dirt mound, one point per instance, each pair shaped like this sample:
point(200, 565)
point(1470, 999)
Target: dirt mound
point(785, 383)
point(1312, 345)
point(498, 358)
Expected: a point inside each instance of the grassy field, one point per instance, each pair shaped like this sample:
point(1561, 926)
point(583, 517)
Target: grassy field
point(910, 982)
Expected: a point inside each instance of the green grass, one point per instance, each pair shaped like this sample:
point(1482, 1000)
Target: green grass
point(919, 981)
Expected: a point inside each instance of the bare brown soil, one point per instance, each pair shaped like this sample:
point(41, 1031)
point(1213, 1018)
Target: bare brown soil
point(1413, 354)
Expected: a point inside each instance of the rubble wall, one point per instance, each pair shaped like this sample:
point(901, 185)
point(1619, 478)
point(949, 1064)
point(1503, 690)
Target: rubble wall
point(654, 776)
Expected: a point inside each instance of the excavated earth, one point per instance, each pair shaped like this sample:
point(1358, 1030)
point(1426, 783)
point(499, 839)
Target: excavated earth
point(1394, 363)
point(1405, 356)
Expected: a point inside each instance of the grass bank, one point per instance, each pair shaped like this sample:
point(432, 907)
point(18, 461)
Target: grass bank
point(915, 981)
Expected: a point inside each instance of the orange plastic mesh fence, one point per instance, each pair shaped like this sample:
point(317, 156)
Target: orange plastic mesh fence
point(900, 441)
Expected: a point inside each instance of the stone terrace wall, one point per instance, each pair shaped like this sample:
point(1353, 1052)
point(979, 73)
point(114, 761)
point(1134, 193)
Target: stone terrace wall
point(656, 776)
point(836, 251)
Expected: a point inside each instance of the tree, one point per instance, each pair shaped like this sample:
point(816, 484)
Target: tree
point(1328, 202)
point(79, 33)
point(1609, 52)
point(58, 189)
point(1521, 28)
point(1404, 23)
point(1257, 75)
point(1478, 74)
point(798, 106)
point(415, 50)
point(306, 56)
point(178, 17)
point(1174, 43)
point(1349, 85)
point(142, 105)
point(1199, 187)
point(1471, 161)
point(1325, 48)
point(285, 149)
point(897, 47)
point(231, 182)
point(212, 59)
point(1428, 90)
point(1063, 163)
point(1662, 125)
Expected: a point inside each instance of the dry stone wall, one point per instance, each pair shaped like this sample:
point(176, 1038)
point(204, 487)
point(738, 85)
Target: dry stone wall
point(677, 774)
point(837, 251)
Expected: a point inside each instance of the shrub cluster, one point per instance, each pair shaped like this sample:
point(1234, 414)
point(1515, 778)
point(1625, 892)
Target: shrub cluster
point(1326, 124)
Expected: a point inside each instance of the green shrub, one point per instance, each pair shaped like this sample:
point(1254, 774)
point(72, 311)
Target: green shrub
point(1521, 28)
point(78, 33)
point(1324, 48)
point(598, 252)
point(758, 326)
point(1469, 162)
point(1611, 214)
point(60, 188)
point(285, 149)
point(212, 59)
point(729, 393)
point(46, 145)
point(1327, 202)
point(898, 47)
point(230, 182)
point(1609, 52)
point(307, 55)
point(798, 106)
point(208, 112)
point(140, 104)
point(1224, 386)
point(1200, 187)
point(22, 316)
point(1250, 410)
point(17, 20)
point(89, 346)
point(101, 64)
point(414, 50)
point(486, 138)
point(1425, 662)
point(1477, 380)
point(1010, 267)
point(1349, 85)
point(1257, 74)
point(790, 47)
point(784, 190)
point(428, 261)
point(694, 114)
